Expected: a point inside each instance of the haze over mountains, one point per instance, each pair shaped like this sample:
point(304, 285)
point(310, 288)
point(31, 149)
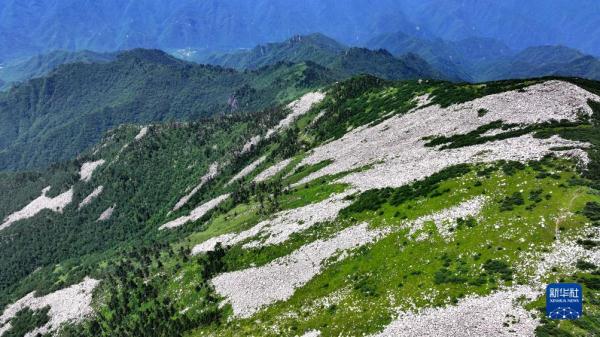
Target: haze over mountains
point(33, 27)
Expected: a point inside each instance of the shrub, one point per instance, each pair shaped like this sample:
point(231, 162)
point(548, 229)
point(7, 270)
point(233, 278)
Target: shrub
point(592, 211)
point(584, 265)
point(499, 267)
point(509, 202)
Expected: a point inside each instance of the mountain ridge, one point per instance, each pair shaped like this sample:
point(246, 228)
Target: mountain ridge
point(385, 173)
point(329, 53)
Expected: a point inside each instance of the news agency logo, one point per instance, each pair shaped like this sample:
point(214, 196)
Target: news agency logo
point(564, 301)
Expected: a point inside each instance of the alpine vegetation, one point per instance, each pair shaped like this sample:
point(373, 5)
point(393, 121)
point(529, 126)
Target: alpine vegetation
point(364, 207)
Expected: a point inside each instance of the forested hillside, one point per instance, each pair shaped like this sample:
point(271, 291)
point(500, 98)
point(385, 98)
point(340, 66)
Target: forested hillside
point(53, 118)
point(368, 208)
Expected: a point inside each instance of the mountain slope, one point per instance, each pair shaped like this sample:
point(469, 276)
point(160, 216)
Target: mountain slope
point(53, 118)
point(41, 65)
point(331, 54)
point(371, 208)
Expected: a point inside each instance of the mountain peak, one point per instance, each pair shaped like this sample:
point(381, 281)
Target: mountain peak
point(149, 55)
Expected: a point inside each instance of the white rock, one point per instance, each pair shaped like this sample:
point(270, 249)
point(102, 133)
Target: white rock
point(312, 333)
point(56, 204)
point(70, 305)
point(447, 217)
point(212, 172)
point(272, 171)
point(87, 169)
point(298, 107)
point(397, 151)
point(107, 213)
point(472, 316)
point(142, 133)
point(195, 214)
point(282, 226)
point(95, 193)
point(251, 289)
point(247, 170)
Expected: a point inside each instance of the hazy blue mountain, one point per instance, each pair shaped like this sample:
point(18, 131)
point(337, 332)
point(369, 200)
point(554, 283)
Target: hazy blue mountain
point(313, 47)
point(460, 59)
point(21, 70)
point(545, 61)
point(329, 53)
point(519, 24)
point(484, 59)
point(31, 27)
point(106, 25)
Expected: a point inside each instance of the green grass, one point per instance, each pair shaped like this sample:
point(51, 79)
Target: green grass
point(399, 269)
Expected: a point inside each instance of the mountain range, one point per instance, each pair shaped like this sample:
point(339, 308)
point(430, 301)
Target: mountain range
point(484, 59)
point(52, 118)
point(24, 69)
point(317, 168)
point(329, 53)
point(37, 27)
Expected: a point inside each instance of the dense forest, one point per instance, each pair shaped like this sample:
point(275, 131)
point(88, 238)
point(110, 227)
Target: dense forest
point(54, 118)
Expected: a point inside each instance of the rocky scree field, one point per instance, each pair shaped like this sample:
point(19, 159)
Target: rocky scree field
point(367, 208)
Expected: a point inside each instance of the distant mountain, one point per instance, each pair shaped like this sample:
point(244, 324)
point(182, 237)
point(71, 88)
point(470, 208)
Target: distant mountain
point(460, 59)
point(546, 61)
point(40, 65)
point(329, 53)
point(517, 23)
point(31, 27)
point(55, 117)
point(313, 47)
point(482, 59)
point(383, 64)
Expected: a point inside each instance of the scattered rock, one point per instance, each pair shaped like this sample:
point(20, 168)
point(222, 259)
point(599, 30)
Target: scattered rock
point(212, 172)
point(87, 169)
point(284, 224)
point(251, 289)
point(56, 204)
point(272, 171)
point(247, 170)
point(95, 193)
point(107, 213)
point(69, 305)
point(196, 214)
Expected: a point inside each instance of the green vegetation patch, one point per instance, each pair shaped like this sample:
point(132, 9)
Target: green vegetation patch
point(27, 320)
point(357, 295)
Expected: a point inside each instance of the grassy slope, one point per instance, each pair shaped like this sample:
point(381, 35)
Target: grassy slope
point(369, 280)
point(398, 270)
